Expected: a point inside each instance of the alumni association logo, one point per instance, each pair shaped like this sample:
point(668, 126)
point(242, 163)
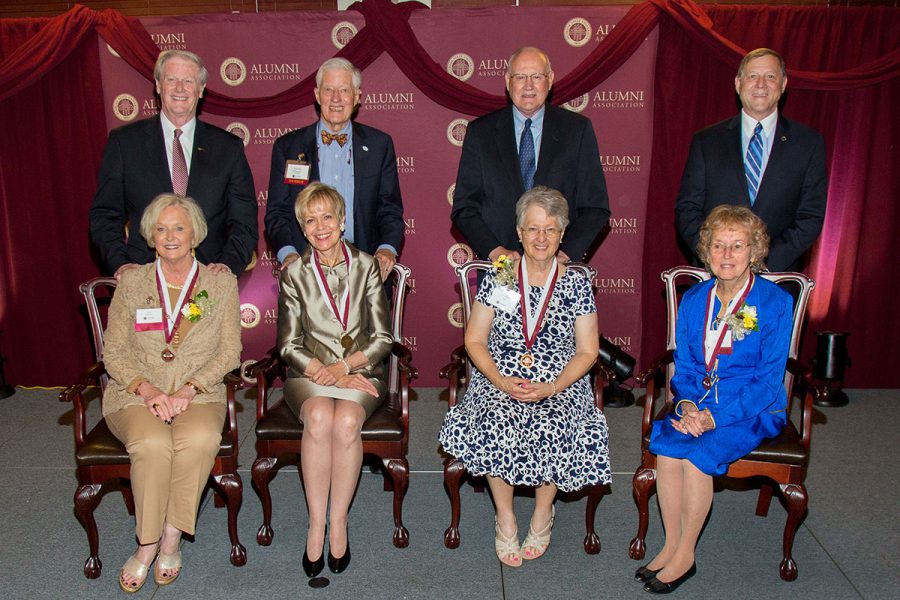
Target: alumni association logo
point(456, 131)
point(233, 71)
point(450, 191)
point(342, 33)
point(250, 315)
point(576, 105)
point(113, 52)
point(240, 130)
point(459, 254)
point(455, 315)
point(577, 32)
point(125, 107)
point(461, 66)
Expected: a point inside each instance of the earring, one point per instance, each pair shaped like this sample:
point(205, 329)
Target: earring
point(342, 227)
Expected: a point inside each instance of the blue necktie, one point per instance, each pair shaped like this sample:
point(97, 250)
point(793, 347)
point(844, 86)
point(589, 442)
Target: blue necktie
point(526, 156)
point(753, 163)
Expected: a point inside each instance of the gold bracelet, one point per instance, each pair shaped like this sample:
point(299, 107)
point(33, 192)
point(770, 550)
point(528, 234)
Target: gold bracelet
point(193, 386)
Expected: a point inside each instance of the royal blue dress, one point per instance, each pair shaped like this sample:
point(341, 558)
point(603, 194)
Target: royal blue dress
point(751, 401)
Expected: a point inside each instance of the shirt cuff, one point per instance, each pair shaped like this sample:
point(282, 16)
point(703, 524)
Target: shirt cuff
point(283, 253)
point(388, 247)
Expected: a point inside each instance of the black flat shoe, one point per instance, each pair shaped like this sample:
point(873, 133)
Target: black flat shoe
point(655, 586)
point(339, 565)
point(643, 574)
point(313, 568)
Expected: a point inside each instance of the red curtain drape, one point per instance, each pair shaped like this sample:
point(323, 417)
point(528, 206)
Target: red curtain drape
point(50, 104)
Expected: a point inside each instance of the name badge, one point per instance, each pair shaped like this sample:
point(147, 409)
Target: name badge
point(504, 298)
point(148, 319)
point(296, 172)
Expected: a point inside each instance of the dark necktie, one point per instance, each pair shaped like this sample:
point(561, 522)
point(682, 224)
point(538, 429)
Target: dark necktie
point(753, 163)
point(340, 138)
point(526, 156)
point(179, 166)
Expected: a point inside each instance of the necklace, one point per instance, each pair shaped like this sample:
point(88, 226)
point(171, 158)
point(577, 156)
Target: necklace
point(173, 286)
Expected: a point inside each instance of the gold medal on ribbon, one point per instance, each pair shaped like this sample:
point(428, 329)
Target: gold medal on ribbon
point(167, 355)
point(347, 342)
point(526, 360)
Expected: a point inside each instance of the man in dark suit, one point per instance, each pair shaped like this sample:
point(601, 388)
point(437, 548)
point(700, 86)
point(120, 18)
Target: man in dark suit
point(359, 161)
point(761, 160)
point(175, 152)
point(530, 143)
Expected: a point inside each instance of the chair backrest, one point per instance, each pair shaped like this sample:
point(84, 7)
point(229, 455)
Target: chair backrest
point(89, 289)
point(401, 274)
point(468, 288)
point(675, 276)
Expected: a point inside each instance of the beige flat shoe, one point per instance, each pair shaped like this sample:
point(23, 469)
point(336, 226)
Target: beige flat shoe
point(136, 569)
point(167, 562)
point(536, 542)
point(508, 550)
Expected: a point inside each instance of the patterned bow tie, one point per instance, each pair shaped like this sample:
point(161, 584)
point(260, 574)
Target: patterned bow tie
point(340, 138)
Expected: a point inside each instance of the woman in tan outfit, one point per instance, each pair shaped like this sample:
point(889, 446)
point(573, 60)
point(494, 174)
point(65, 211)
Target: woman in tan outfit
point(173, 333)
point(333, 333)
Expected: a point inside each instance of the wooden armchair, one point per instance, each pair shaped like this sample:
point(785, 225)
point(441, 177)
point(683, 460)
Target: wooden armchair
point(101, 458)
point(458, 372)
point(781, 460)
point(385, 434)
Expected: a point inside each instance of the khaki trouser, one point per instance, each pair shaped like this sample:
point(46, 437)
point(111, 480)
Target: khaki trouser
point(170, 464)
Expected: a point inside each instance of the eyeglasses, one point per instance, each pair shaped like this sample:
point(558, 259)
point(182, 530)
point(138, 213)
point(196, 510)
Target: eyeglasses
point(536, 78)
point(533, 232)
point(735, 248)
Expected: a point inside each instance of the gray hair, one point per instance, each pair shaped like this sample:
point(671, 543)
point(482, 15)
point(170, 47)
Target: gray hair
point(165, 55)
point(759, 53)
point(552, 201)
point(523, 49)
point(195, 214)
point(342, 64)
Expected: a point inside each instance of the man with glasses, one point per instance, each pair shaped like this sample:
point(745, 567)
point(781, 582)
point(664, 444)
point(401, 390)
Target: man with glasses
point(761, 160)
point(530, 143)
point(357, 160)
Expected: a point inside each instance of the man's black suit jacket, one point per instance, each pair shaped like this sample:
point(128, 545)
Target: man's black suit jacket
point(135, 170)
point(489, 183)
point(792, 193)
point(377, 204)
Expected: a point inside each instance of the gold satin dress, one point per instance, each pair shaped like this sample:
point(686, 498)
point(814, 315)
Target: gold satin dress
point(308, 328)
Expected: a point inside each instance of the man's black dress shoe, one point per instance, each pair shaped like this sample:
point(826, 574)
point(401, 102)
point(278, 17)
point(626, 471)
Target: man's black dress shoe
point(313, 568)
point(643, 574)
point(338, 565)
point(655, 586)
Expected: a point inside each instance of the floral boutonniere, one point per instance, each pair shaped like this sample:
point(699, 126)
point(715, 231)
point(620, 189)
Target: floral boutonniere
point(198, 307)
point(743, 321)
point(504, 271)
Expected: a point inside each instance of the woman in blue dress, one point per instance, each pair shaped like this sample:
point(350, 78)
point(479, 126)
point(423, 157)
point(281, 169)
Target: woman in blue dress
point(732, 335)
point(528, 416)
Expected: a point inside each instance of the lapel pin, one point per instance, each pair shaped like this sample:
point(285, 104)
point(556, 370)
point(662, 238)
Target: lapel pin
point(784, 138)
point(365, 148)
point(201, 149)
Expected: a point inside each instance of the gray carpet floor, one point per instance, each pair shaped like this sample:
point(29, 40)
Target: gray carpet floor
point(847, 547)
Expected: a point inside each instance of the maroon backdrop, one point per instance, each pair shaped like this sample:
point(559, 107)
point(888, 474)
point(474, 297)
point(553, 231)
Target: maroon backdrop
point(51, 107)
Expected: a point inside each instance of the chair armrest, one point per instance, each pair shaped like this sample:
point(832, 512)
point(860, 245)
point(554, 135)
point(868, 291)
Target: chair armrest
point(74, 395)
point(265, 371)
point(810, 391)
point(454, 373)
point(407, 372)
point(602, 375)
point(648, 379)
point(233, 383)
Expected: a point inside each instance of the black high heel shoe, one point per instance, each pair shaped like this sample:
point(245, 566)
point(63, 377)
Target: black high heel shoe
point(643, 574)
point(655, 586)
point(339, 565)
point(313, 568)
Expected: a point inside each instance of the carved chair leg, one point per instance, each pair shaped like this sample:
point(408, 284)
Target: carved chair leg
point(591, 539)
point(399, 471)
point(765, 499)
point(262, 472)
point(453, 474)
point(86, 499)
point(796, 498)
point(128, 496)
point(642, 484)
point(231, 488)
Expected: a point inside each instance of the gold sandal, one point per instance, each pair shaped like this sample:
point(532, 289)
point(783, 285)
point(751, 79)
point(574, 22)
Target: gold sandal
point(508, 550)
point(137, 569)
point(538, 541)
point(167, 562)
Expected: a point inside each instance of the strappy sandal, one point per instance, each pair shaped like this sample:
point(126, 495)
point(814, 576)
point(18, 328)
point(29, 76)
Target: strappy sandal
point(136, 569)
point(508, 550)
point(538, 541)
point(167, 562)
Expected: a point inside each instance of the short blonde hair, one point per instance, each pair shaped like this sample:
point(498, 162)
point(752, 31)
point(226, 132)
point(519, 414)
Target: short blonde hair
point(195, 214)
point(322, 192)
point(727, 216)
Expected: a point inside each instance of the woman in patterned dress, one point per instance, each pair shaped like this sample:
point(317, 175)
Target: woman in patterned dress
point(528, 416)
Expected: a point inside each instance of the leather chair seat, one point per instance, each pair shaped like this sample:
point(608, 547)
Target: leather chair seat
point(281, 424)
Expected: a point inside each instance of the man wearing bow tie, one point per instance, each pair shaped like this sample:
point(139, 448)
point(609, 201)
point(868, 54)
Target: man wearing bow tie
point(357, 160)
point(175, 152)
point(758, 159)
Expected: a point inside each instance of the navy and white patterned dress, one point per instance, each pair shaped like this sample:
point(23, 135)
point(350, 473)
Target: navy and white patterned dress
point(562, 439)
